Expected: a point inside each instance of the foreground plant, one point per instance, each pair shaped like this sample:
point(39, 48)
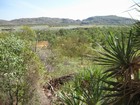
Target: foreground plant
point(86, 89)
point(122, 57)
point(19, 72)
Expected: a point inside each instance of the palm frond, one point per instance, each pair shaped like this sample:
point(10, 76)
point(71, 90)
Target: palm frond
point(121, 55)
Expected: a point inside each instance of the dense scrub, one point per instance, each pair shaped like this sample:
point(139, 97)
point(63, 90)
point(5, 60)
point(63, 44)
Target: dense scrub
point(20, 72)
point(68, 51)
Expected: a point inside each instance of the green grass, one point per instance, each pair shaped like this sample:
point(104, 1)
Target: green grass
point(69, 66)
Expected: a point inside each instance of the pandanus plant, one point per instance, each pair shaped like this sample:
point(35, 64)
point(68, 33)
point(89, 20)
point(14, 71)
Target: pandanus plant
point(122, 56)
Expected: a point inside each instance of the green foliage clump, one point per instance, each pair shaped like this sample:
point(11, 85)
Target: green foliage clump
point(19, 71)
point(28, 34)
point(85, 88)
point(46, 35)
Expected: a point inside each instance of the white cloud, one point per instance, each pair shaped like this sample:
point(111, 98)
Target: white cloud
point(86, 8)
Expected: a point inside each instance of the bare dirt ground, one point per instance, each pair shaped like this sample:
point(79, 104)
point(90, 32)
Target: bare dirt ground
point(43, 99)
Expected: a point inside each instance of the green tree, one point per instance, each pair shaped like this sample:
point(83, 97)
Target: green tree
point(28, 34)
point(18, 71)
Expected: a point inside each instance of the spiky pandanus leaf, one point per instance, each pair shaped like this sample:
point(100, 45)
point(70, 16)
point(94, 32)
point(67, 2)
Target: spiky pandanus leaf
point(119, 55)
point(123, 91)
point(123, 60)
point(136, 36)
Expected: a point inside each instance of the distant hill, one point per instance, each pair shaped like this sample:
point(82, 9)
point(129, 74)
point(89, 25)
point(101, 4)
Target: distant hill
point(44, 20)
point(4, 22)
point(97, 20)
point(108, 20)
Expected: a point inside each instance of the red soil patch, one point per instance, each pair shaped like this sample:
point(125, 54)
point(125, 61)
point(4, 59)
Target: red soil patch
point(41, 44)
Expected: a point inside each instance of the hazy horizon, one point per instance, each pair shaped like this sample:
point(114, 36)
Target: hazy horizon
point(62, 17)
point(71, 9)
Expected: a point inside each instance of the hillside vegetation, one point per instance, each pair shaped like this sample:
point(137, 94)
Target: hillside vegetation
point(97, 20)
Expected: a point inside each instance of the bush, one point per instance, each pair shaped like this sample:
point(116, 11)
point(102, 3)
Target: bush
point(86, 89)
point(19, 71)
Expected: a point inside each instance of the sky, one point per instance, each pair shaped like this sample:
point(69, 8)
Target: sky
point(72, 9)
